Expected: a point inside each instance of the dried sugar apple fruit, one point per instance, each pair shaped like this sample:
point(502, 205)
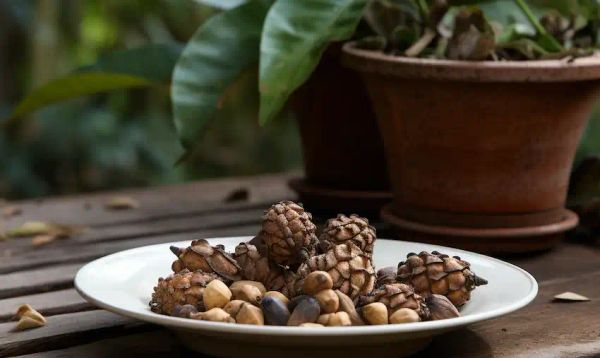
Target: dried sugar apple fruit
point(349, 267)
point(396, 296)
point(289, 233)
point(200, 255)
point(349, 228)
point(181, 288)
point(255, 266)
point(436, 273)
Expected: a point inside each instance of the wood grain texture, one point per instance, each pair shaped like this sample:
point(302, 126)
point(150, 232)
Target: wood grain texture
point(48, 303)
point(155, 203)
point(38, 280)
point(66, 330)
point(152, 344)
point(86, 252)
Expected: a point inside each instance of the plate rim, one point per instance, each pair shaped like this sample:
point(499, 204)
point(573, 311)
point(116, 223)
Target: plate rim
point(394, 329)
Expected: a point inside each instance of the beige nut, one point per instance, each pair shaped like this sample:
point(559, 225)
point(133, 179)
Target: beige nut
point(248, 293)
point(283, 298)
point(375, 313)
point(256, 284)
point(328, 301)
point(335, 319)
point(313, 325)
point(347, 305)
point(317, 281)
point(214, 315)
point(244, 312)
point(404, 315)
point(28, 318)
point(250, 314)
point(28, 323)
point(234, 306)
point(216, 295)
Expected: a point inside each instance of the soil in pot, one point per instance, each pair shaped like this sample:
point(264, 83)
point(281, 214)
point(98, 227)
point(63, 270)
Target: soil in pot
point(479, 146)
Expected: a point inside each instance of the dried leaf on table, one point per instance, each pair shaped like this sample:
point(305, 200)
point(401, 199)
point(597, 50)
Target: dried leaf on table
point(570, 296)
point(10, 211)
point(36, 228)
point(41, 240)
point(122, 203)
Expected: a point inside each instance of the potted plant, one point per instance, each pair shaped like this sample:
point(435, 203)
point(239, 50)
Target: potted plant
point(295, 47)
point(480, 122)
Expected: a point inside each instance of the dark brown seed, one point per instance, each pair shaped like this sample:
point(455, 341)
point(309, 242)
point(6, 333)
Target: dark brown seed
point(275, 311)
point(184, 311)
point(307, 311)
point(295, 301)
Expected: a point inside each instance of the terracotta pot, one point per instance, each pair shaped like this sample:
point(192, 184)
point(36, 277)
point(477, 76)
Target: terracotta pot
point(479, 150)
point(344, 161)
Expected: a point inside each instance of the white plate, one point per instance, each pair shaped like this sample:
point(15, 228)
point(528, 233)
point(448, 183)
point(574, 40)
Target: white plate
point(123, 282)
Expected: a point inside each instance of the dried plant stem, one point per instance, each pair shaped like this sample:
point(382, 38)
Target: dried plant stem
point(538, 27)
point(421, 43)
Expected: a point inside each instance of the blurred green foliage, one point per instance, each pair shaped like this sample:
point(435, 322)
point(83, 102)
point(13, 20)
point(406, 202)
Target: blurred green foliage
point(123, 138)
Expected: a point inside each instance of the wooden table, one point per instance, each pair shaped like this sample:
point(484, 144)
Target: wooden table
point(43, 276)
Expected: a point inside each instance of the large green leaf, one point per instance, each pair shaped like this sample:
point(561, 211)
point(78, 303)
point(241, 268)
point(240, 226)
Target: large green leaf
point(154, 62)
point(217, 54)
point(294, 37)
point(71, 86)
point(121, 69)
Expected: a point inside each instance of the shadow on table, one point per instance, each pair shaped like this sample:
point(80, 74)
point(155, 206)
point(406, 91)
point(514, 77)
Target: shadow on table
point(461, 343)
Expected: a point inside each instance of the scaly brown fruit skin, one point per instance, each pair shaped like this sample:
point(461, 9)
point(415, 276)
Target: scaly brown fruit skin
point(436, 273)
point(349, 267)
point(396, 296)
point(255, 266)
point(289, 234)
point(349, 228)
point(200, 255)
point(182, 288)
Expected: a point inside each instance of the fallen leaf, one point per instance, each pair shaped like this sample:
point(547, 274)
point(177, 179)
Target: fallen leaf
point(30, 228)
point(570, 296)
point(41, 240)
point(35, 228)
point(10, 211)
point(122, 203)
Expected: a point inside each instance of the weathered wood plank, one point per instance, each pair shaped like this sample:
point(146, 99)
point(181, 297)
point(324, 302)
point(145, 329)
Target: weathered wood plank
point(542, 329)
point(39, 280)
point(566, 260)
point(87, 252)
point(67, 330)
point(159, 343)
point(48, 303)
point(18, 246)
point(157, 202)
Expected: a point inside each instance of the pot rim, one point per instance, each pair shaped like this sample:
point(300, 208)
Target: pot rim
point(561, 70)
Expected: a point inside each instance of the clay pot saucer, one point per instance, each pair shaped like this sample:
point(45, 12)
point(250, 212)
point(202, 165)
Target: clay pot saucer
point(329, 202)
point(484, 239)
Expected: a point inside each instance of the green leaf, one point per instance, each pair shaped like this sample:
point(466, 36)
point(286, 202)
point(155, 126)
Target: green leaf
point(220, 50)
point(296, 33)
point(154, 62)
point(74, 85)
point(222, 4)
point(121, 69)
